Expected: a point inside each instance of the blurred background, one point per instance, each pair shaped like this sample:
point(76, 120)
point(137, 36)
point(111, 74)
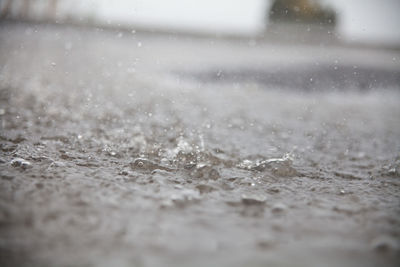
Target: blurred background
point(372, 21)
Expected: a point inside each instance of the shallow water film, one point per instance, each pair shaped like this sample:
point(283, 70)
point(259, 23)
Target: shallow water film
point(140, 149)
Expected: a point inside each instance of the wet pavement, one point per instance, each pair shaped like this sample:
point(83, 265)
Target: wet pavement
point(138, 149)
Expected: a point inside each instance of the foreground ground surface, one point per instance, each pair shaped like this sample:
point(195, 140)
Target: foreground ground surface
point(132, 149)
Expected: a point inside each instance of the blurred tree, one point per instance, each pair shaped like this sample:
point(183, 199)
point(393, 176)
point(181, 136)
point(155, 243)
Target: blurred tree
point(6, 9)
point(24, 7)
point(305, 11)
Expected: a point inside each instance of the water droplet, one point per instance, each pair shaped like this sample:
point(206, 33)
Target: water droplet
point(203, 188)
point(278, 208)
point(21, 163)
point(383, 244)
point(131, 70)
point(253, 200)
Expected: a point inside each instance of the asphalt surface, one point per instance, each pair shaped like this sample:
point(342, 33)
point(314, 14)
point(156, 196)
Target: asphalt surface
point(139, 149)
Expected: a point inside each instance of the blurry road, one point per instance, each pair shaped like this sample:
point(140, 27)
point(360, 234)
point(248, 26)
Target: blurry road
point(135, 149)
